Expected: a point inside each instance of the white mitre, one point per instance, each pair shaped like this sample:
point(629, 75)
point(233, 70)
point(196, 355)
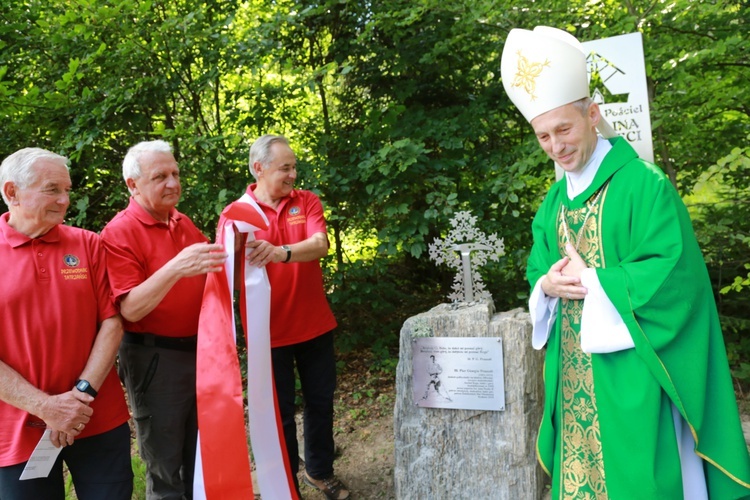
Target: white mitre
point(544, 69)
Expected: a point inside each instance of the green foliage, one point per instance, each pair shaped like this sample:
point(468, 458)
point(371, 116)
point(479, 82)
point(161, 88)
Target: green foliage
point(739, 283)
point(722, 221)
point(396, 112)
point(90, 80)
point(372, 298)
point(139, 477)
point(737, 340)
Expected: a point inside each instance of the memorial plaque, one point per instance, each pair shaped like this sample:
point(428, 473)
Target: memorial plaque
point(458, 373)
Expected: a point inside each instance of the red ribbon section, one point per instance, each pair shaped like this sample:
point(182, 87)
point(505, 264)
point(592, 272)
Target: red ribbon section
point(245, 213)
point(221, 417)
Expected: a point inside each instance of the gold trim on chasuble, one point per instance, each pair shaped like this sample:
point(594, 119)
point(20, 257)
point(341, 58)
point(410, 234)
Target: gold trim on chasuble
point(582, 472)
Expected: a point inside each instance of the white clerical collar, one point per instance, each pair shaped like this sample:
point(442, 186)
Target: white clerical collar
point(578, 181)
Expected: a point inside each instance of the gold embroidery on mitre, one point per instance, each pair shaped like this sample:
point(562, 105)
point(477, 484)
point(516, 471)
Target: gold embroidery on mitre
point(527, 74)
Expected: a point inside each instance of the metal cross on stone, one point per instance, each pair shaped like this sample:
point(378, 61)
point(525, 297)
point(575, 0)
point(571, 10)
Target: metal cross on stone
point(465, 249)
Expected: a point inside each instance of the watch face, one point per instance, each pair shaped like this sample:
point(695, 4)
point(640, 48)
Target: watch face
point(85, 386)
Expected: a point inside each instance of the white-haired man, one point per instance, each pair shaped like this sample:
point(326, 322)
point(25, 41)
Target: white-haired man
point(157, 261)
point(59, 334)
point(639, 400)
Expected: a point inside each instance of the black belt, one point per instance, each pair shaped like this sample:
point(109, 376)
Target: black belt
point(149, 339)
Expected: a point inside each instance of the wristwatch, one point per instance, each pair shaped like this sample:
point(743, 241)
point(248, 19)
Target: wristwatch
point(288, 252)
point(84, 386)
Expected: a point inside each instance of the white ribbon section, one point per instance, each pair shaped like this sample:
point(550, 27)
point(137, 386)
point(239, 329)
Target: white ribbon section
point(265, 429)
point(199, 487)
point(268, 449)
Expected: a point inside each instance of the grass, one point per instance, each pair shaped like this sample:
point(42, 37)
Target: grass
point(139, 479)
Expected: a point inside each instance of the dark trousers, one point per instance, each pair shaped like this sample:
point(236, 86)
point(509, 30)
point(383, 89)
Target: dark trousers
point(161, 390)
point(99, 465)
point(316, 366)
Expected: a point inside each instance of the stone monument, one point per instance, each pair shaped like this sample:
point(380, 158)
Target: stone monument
point(443, 453)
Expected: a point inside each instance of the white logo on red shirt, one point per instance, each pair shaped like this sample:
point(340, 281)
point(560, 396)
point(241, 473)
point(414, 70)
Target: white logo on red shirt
point(71, 260)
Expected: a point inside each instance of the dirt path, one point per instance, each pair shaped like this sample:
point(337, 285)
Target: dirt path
point(365, 461)
point(363, 430)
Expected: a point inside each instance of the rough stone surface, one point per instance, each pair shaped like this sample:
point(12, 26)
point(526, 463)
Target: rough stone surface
point(446, 453)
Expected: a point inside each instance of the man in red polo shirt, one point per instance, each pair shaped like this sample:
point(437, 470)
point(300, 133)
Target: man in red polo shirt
point(301, 320)
point(157, 262)
point(59, 333)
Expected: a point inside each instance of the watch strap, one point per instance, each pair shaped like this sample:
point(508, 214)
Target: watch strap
point(85, 386)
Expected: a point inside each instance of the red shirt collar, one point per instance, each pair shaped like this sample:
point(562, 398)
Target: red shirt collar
point(16, 239)
point(146, 218)
point(251, 188)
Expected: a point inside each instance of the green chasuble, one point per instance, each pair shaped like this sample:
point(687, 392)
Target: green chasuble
point(607, 429)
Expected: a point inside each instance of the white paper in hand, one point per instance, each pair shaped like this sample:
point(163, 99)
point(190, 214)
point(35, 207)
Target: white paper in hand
point(42, 459)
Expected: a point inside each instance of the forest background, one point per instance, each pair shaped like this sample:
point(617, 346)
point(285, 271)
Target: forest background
point(397, 114)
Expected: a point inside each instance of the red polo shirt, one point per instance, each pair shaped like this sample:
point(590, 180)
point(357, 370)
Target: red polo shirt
point(137, 246)
point(55, 294)
point(299, 307)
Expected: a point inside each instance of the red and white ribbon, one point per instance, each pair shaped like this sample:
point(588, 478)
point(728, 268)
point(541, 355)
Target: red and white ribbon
point(222, 462)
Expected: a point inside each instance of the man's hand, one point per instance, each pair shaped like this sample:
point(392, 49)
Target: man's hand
point(575, 265)
point(199, 258)
point(263, 252)
point(196, 259)
point(66, 414)
point(557, 283)
point(60, 439)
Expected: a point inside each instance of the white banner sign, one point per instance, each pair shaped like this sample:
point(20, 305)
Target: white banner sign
point(617, 75)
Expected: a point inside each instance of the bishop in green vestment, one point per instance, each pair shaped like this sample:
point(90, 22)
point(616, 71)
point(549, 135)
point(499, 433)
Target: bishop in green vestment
point(639, 402)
